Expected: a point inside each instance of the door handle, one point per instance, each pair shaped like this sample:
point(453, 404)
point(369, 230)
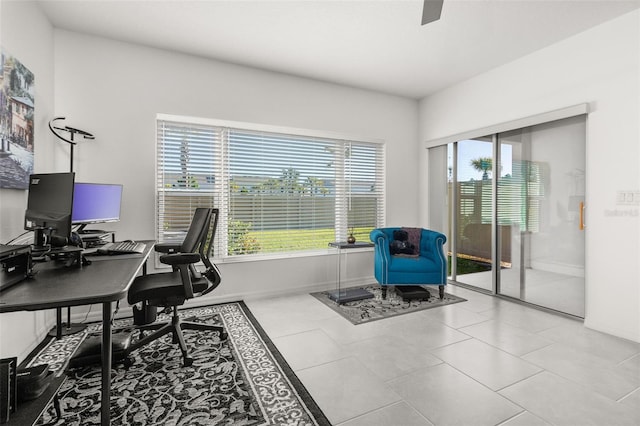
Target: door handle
point(581, 226)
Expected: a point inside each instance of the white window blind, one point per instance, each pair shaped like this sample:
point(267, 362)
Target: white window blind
point(277, 192)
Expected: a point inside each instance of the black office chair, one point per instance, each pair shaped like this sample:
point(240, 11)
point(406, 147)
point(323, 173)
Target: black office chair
point(171, 289)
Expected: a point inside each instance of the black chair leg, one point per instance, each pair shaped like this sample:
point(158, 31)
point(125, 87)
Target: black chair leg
point(175, 327)
point(188, 325)
point(142, 329)
point(187, 361)
point(160, 331)
point(441, 291)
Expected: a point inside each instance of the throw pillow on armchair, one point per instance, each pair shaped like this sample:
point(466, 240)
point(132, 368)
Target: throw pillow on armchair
point(401, 244)
point(414, 235)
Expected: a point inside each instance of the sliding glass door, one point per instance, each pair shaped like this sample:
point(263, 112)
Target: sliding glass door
point(514, 220)
point(473, 196)
point(541, 202)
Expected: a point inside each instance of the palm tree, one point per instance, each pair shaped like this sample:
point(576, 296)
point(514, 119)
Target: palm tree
point(484, 165)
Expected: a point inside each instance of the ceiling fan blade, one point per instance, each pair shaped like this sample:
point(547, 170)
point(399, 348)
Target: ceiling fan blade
point(431, 11)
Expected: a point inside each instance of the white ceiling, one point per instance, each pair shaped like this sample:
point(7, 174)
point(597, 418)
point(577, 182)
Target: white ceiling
point(371, 44)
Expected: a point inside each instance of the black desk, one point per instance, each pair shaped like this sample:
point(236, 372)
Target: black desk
point(105, 281)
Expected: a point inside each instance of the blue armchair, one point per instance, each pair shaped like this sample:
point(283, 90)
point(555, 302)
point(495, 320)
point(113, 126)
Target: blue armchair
point(428, 267)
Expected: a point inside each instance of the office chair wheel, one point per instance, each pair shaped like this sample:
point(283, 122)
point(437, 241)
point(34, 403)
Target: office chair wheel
point(223, 335)
point(188, 361)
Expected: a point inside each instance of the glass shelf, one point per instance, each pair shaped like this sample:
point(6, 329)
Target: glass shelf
point(341, 295)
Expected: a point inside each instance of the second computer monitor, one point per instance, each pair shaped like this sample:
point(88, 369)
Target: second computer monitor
point(96, 203)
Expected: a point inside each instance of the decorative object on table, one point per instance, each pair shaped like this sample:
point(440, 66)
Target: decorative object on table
point(219, 388)
point(351, 239)
point(377, 308)
point(421, 262)
point(17, 111)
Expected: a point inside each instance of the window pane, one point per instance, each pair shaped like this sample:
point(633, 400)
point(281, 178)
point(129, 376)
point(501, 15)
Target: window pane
point(282, 192)
point(363, 163)
point(277, 193)
point(187, 160)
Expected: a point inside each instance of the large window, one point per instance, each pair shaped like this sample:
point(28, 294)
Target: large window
point(278, 192)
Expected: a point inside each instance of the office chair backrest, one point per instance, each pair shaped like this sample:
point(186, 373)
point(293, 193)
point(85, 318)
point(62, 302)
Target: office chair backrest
point(212, 273)
point(197, 230)
point(199, 239)
point(200, 236)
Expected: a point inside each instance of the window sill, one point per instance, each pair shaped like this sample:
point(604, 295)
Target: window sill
point(330, 251)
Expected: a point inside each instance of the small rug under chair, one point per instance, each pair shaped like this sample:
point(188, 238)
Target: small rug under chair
point(242, 380)
point(377, 308)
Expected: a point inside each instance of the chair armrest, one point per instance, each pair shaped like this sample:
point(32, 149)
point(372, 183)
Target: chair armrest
point(177, 259)
point(381, 241)
point(168, 247)
point(377, 237)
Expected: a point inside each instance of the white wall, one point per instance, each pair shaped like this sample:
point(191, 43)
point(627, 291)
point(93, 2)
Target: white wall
point(114, 90)
point(27, 35)
point(602, 67)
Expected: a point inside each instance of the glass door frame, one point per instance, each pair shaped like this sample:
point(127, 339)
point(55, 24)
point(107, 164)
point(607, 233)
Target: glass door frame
point(496, 230)
point(454, 222)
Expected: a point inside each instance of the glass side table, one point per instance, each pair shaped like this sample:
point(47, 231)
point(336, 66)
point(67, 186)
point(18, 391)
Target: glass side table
point(348, 294)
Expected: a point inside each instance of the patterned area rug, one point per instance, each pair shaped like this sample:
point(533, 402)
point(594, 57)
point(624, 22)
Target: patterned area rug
point(240, 381)
point(363, 311)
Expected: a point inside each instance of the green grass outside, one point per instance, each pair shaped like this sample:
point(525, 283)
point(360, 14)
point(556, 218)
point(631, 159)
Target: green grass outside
point(467, 266)
point(300, 239)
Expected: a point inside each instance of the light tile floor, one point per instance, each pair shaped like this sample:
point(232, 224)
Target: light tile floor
point(486, 361)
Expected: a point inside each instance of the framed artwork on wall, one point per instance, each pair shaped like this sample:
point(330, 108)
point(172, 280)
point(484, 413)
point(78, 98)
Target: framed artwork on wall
point(16, 123)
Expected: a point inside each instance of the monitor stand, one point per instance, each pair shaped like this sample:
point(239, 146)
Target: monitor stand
point(82, 231)
point(91, 231)
point(38, 248)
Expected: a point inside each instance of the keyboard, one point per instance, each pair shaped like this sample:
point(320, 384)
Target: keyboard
point(122, 247)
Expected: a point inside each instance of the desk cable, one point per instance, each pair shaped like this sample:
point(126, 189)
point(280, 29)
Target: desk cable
point(87, 315)
point(18, 237)
point(115, 312)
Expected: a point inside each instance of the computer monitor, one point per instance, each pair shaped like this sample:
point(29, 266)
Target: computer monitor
point(95, 203)
point(49, 205)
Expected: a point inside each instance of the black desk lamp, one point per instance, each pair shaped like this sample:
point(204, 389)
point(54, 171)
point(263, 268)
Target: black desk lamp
point(72, 132)
point(70, 328)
